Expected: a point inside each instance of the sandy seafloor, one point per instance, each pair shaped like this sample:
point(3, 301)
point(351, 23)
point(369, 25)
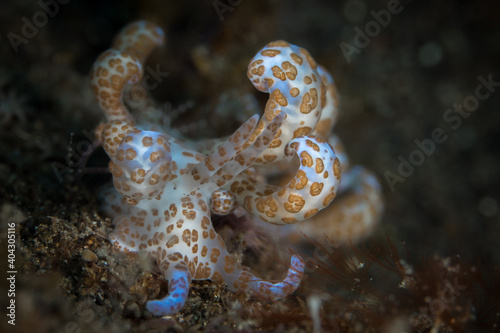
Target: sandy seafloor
point(443, 219)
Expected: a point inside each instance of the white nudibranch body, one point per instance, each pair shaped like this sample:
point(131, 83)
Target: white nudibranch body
point(166, 189)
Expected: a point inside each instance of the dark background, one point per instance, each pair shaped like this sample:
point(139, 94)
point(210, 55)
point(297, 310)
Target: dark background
point(395, 91)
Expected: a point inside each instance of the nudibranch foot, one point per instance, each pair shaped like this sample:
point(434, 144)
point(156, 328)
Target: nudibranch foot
point(242, 280)
point(275, 291)
point(178, 286)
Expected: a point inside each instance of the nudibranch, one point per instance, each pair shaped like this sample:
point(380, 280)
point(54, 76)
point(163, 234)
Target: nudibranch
point(166, 189)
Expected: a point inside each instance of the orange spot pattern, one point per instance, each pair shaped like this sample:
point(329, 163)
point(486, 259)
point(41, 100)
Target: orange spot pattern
point(166, 190)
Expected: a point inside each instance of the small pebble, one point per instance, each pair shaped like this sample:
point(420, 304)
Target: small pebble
point(89, 256)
